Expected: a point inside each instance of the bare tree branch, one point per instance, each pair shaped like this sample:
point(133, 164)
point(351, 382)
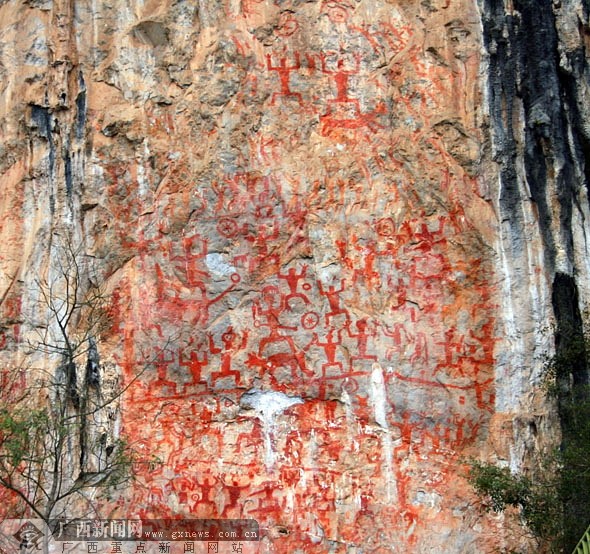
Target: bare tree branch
point(48, 456)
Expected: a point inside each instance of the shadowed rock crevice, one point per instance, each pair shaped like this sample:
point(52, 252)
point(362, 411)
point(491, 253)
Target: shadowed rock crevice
point(527, 90)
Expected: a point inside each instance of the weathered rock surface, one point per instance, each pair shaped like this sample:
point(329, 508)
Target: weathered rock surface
point(335, 233)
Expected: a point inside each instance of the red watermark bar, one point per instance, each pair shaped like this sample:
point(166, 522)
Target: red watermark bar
point(155, 530)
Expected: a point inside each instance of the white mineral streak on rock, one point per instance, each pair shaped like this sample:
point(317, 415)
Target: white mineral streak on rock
point(582, 251)
point(379, 396)
point(525, 315)
point(539, 300)
point(379, 399)
point(514, 462)
point(143, 175)
point(506, 395)
point(351, 420)
point(268, 405)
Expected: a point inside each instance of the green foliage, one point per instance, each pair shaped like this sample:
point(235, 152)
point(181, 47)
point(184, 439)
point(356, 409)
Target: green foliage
point(121, 465)
point(554, 502)
point(538, 500)
point(499, 486)
point(56, 441)
point(574, 483)
point(18, 432)
point(560, 367)
point(36, 459)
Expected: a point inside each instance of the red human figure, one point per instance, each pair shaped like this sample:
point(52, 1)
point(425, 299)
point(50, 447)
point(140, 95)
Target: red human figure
point(399, 335)
point(259, 238)
point(341, 76)
point(194, 363)
point(454, 345)
point(462, 435)
point(191, 258)
point(265, 500)
point(297, 216)
point(141, 246)
point(342, 246)
point(284, 352)
point(205, 504)
point(164, 290)
point(230, 346)
point(274, 306)
point(163, 359)
point(284, 71)
point(292, 278)
point(248, 441)
point(332, 294)
point(262, 235)
point(234, 489)
point(344, 111)
point(228, 192)
point(423, 232)
point(420, 349)
point(329, 347)
point(367, 272)
point(183, 486)
point(362, 340)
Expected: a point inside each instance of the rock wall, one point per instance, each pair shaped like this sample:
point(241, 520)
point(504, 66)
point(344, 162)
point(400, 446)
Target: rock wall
point(334, 233)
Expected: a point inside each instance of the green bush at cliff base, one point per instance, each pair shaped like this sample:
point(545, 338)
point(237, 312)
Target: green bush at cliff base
point(567, 377)
point(574, 475)
point(554, 499)
point(538, 500)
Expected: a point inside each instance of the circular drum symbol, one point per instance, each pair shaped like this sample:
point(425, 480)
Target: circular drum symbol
point(350, 385)
point(287, 25)
point(385, 227)
point(227, 227)
point(310, 320)
point(337, 11)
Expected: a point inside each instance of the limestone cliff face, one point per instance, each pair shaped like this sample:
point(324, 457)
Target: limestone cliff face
point(335, 235)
